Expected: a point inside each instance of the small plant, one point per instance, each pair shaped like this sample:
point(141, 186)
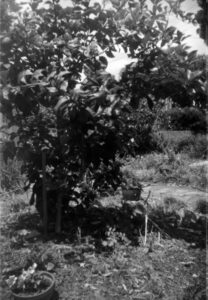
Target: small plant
point(29, 282)
point(114, 238)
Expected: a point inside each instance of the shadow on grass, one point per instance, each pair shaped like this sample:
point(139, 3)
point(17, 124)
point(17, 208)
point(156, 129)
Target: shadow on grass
point(196, 291)
point(190, 229)
point(96, 221)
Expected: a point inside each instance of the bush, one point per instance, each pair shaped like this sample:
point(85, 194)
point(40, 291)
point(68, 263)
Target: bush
point(80, 127)
point(188, 118)
point(144, 120)
point(195, 145)
point(199, 147)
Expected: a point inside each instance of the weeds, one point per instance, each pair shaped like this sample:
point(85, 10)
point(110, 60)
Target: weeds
point(12, 179)
point(169, 167)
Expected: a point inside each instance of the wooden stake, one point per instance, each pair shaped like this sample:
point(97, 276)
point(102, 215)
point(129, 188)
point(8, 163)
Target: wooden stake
point(145, 230)
point(146, 217)
point(44, 194)
point(158, 240)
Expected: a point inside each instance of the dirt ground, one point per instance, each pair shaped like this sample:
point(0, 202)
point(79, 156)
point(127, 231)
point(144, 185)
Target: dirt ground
point(117, 265)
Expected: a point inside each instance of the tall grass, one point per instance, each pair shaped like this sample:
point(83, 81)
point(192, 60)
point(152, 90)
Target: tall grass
point(169, 167)
point(11, 177)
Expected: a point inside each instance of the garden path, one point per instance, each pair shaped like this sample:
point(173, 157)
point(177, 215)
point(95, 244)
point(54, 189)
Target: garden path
point(186, 194)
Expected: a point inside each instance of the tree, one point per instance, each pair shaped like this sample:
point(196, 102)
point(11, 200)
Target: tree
point(202, 19)
point(80, 129)
point(164, 66)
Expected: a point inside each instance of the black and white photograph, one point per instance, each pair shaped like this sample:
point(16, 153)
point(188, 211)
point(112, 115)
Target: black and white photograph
point(103, 149)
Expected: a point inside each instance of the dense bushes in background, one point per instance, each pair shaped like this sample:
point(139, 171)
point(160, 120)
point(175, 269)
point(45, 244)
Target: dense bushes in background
point(194, 145)
point(143, 119)
point(188, 118)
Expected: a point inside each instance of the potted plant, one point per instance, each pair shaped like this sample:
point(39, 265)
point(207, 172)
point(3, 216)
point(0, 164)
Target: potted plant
point(32, 284)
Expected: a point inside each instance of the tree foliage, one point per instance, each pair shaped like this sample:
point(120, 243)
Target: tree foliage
point(202, 19)
point(164, 66)
point(83, 125)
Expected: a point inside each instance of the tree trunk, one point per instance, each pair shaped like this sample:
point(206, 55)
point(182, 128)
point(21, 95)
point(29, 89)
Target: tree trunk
point(59, 213)
point(44, 195)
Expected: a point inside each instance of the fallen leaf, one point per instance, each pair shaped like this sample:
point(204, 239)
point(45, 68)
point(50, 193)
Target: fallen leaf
point(50, 266)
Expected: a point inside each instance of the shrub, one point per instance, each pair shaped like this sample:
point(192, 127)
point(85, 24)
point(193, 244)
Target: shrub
point(199, 147)
point(195, 145)
point(80, 127)
point(188, 118)
point(144, 120)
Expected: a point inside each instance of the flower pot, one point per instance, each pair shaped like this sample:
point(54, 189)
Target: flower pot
point(44, 295)
point(131, 194)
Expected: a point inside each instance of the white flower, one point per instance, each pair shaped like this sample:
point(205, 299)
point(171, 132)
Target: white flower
point(24, 275)
point(31, 269)
point(34, 265)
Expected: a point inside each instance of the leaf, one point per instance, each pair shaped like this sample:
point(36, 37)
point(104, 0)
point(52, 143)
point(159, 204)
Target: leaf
point(161, 26)
point(100, 97)
point(92, 113)
point(5, 93)
point(63, 73)
point(52, 89)
point(51, 75)
point(38, 73)
point(64, 86)
point(179, 35)
point(22, 76)
point(109, 53)
point(103, 60)
point(192, 75)
point(62, 100)
point(192, 55)
point(50, 266)
point(90, 132)
point(7, 66)
point(170, 30)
